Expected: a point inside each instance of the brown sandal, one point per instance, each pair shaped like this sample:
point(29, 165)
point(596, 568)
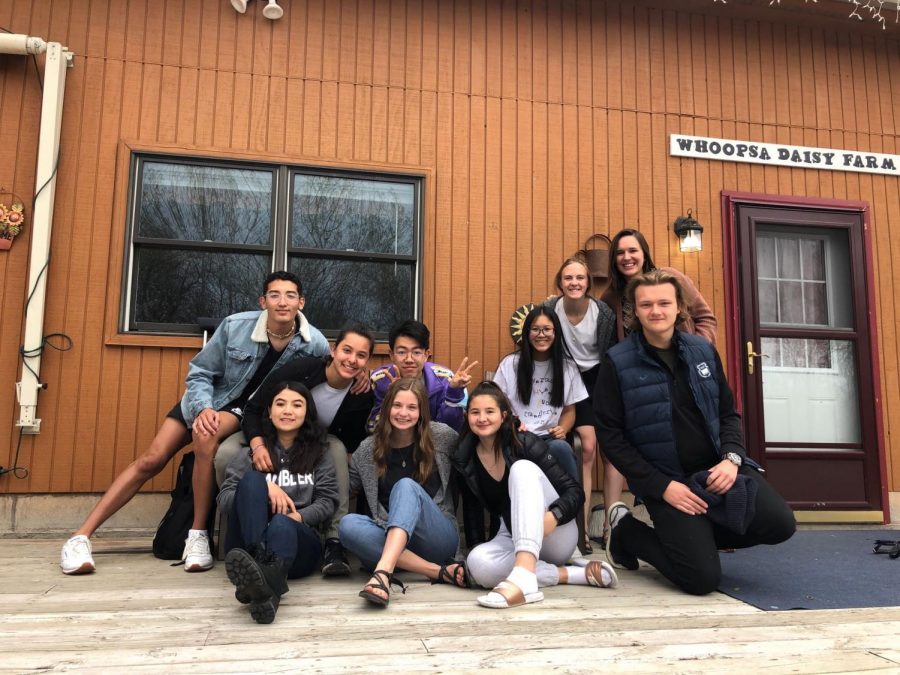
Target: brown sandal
point(383, 582)
point(445, 576)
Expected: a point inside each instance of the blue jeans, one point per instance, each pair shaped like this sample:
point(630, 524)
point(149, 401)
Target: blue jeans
point(432, 536)
point(564, 455)
point(251, 523)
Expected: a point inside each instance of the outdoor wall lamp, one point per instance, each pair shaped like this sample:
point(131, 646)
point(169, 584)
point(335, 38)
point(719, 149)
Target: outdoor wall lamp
point(689, 233)
point(270, 11)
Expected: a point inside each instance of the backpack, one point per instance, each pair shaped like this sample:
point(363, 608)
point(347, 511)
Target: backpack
point(168, 544)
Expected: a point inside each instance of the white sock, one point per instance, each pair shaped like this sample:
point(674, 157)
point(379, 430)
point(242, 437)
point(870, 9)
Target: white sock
point(196, 533)
point(578, 577)
point(524, 579)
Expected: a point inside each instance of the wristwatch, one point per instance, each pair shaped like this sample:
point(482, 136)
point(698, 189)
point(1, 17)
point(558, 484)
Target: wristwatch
point(557, 513)
point(734, 458)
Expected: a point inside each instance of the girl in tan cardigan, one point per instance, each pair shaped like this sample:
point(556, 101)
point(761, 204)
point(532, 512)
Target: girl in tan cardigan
point(629, 256)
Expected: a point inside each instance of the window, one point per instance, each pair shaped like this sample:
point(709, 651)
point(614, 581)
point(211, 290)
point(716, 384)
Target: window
point(204, 234)
point(795, 278)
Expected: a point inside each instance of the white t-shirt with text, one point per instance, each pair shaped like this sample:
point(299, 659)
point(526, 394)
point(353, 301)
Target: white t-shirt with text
point(538, 415)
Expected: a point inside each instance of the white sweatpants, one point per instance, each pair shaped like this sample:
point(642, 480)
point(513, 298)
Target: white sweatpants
point(530, 493)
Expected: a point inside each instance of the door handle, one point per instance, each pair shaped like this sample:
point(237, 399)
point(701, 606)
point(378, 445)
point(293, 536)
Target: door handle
point(751, 355)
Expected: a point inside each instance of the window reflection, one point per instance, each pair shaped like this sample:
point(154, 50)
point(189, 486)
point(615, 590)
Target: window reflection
point(378, 294)
point(177, 287)
point(344, 214)
point(201, 203)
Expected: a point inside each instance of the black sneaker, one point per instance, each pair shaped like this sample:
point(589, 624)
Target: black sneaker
point(615, 554)
point(260, 581)
point(335, 562)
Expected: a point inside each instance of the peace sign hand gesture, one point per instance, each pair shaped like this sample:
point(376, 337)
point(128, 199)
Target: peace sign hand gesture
point(461, 376)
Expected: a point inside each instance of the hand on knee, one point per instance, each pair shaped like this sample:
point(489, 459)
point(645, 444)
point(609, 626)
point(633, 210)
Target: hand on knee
point(205, 448)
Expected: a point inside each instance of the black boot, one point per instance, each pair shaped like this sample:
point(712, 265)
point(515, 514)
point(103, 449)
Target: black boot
point(260, 580)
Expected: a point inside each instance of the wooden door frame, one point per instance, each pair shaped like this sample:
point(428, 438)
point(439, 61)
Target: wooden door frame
point(730, 200)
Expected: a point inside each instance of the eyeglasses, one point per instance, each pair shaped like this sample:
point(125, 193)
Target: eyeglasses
point(275, 296)
point(415, 353)
point(541, 330)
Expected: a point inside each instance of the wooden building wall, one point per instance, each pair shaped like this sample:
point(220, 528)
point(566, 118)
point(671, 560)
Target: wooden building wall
point(535, 123)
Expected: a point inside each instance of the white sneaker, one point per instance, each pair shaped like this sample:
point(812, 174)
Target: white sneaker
point(76, 556)
point(196, 556)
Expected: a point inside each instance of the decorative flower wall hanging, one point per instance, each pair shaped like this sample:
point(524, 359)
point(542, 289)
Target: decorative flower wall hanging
point(12, 219)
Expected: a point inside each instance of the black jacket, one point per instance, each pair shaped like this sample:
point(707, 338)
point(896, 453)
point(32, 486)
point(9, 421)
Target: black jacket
point(571, 495)
point(641, 439)
point(349, 423)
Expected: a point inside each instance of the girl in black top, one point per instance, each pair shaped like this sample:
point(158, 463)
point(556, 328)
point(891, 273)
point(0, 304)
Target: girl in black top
point(515, 476)
point(404, 472)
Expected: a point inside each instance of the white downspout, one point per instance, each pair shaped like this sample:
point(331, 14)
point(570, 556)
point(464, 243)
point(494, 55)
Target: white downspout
point(58, 58)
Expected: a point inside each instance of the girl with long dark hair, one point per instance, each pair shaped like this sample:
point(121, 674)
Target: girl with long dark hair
point(514, 476)
point(273, 516)
point(629, 255)
point(543, 384)
point(403, 471)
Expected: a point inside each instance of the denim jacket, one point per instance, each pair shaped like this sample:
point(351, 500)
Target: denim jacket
point(219, 373)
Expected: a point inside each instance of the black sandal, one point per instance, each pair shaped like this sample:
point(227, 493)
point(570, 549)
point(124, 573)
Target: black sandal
point(446, 577)
point(381, 576)
point(586, 547)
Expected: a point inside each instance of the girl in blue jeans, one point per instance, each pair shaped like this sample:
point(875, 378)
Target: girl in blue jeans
point(403, 470)
point(273, 516)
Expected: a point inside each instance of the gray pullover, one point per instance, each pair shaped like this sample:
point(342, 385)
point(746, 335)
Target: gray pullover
point(314, 494)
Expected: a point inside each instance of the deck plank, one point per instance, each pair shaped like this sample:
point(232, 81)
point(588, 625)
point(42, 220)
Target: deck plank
point(139, 614)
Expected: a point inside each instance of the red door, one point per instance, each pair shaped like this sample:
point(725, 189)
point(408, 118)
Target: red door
point(804, 353)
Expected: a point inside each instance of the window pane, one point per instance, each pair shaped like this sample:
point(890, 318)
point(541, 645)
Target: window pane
point(788, 258)
point(768, 301)
point(771, 347)
point(205, 203)
point(812, 252)
point(179, 286)
point(765, 256)
point(345, 214)
point(815, 304)
point(790, 297)
point(793, 353)
point(378, 294)
point(819, 353)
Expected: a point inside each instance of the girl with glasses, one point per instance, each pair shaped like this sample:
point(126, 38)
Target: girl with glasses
point(543, 385)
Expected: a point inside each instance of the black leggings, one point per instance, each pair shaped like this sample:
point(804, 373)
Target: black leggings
point(685, 548)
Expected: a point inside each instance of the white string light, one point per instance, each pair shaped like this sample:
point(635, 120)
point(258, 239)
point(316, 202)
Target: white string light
point(862, 9)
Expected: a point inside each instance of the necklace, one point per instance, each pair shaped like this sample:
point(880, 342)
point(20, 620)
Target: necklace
point(281, 336)
point(405, 454)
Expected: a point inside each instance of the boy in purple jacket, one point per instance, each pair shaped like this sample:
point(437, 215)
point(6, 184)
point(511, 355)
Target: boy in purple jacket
point(409, 345)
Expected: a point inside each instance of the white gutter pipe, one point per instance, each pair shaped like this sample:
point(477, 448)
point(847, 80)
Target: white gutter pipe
point(58, 58)
point(13, 43)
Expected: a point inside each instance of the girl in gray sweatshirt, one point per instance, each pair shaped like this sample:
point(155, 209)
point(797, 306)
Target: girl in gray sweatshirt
point(272, 515)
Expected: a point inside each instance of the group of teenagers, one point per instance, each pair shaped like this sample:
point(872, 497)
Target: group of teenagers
point(290, 428)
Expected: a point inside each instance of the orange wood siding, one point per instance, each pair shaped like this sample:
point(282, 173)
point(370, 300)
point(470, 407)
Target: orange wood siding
point(535, 123)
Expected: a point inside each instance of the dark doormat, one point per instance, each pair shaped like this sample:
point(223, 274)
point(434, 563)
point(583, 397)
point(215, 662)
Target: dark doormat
point(815, 569)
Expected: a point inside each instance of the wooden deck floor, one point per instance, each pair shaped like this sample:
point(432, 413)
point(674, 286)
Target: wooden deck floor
point(136, 614)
